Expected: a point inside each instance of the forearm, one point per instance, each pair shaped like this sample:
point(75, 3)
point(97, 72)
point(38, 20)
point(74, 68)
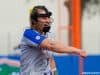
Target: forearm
point(66, 49)
point(60, 48)
point(73, 50)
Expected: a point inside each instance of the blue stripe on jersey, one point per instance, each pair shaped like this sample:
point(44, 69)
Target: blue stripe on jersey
point(34, 36)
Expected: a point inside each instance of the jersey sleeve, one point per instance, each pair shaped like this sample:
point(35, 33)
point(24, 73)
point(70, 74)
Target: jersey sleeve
point(34, 38)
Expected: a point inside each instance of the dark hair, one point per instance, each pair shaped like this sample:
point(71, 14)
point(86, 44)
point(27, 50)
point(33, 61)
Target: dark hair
point(34, 14)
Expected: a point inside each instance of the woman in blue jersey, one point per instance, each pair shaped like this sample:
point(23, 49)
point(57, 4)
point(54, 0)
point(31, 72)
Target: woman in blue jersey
point(36, 44)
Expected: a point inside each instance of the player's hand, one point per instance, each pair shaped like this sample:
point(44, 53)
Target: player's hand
point(83, 53)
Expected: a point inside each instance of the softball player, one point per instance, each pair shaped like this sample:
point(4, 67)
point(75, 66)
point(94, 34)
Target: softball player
point(35, 44)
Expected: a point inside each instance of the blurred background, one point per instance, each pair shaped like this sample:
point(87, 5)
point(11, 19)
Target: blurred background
point(76, 23)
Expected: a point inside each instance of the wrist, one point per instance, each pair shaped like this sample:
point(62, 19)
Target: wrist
point(77, 51)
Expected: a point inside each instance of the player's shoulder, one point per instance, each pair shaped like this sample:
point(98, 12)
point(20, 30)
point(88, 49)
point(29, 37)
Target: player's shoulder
point(33, 37)
point(31, 32)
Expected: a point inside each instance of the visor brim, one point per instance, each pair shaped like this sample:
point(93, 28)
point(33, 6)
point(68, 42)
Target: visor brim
point(45, 15)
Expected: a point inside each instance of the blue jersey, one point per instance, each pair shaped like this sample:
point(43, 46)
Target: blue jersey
point(34, 60)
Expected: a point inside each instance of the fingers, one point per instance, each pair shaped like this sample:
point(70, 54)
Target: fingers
point(83, 54)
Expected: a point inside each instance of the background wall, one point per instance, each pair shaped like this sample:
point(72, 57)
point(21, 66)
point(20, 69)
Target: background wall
point(14, 18)
point(91, 26)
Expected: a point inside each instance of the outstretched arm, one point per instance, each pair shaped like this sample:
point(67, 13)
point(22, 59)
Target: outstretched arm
point(60, 48)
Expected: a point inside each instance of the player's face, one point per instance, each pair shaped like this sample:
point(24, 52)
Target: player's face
point(44, 19)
